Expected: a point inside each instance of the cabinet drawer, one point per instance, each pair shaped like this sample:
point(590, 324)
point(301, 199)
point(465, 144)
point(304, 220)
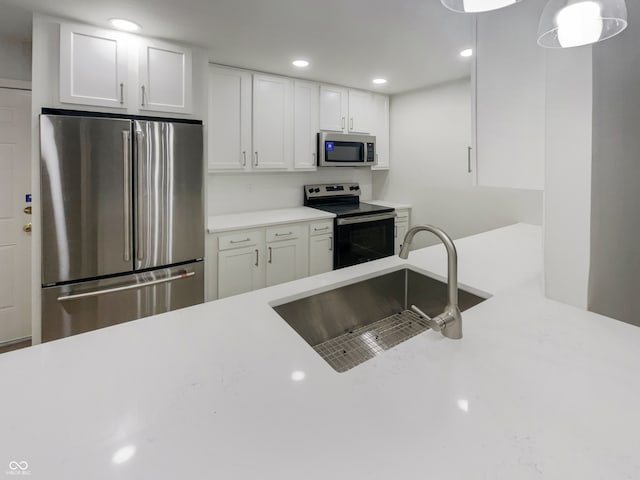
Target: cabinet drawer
point(321, 228)
point(283, 232)
point(402, 216)
point(238, 240)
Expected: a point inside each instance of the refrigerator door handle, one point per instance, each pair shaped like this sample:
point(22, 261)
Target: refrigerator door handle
point(139, 233)
point(126, 180)
point(135, 286)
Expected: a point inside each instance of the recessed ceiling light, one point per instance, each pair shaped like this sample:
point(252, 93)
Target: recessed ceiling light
point(379, 81)
point(126, 25)
point(467, 52)
point(300, 63)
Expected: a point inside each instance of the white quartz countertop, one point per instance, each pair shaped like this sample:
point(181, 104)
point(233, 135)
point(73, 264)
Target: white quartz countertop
point(242, 221)
point(384, 203)
point(535, 389)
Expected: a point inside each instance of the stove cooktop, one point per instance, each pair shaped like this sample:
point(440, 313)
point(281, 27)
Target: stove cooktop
point(346, 210)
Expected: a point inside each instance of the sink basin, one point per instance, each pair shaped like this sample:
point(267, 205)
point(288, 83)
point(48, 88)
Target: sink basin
point(351, 324)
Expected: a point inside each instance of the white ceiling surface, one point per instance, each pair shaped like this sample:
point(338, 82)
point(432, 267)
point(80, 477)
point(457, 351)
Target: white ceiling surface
point(412, 43)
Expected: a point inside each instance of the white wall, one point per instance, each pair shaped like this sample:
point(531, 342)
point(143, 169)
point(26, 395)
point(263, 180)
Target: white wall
point(430, 133)
point(15, 43)
point(243, 192)
point(567, 209)
point(615, 218)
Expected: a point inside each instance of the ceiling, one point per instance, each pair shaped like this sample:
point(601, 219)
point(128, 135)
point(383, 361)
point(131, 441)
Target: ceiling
point(412, 43)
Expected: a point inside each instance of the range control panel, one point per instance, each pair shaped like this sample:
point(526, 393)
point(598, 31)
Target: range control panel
point(332, 190)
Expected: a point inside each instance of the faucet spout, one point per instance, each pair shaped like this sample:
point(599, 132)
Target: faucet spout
point(451, 319)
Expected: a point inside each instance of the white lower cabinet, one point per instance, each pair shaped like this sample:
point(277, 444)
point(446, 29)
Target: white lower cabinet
point(320, 247)
point(286, 254)
point(242, 261)
point(401, 228)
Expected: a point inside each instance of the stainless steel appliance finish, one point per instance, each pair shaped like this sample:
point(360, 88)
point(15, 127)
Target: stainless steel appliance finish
point(342, 150)
point(84, 306)
point(86, 229)
point(353, 316)
point(122, 206)
point(363, 231)
point(169, 201)
point(449, 322)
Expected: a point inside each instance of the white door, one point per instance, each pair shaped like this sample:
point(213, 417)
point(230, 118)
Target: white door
point(285, 261)
point(239, 271)
point(320, 254)
point(306, 98)
point(229, 133)
point(360, 111)
point(15, 244)
point(272, 122)
point(93, 67)
point(333, 108)
point(165, 77)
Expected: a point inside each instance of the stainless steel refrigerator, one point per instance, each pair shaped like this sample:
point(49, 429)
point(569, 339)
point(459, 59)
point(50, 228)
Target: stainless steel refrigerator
point(122, 220)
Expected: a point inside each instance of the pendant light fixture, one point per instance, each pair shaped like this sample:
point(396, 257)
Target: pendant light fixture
point(573, 23)
point(476, 6)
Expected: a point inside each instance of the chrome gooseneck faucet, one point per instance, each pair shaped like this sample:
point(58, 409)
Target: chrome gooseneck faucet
point(449, 322)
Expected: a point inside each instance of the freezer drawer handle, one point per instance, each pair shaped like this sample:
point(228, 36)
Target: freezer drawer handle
point(136, 286)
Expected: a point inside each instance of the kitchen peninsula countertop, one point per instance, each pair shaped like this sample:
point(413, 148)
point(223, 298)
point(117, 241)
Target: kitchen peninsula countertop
point(246, 220)
point(535, 389)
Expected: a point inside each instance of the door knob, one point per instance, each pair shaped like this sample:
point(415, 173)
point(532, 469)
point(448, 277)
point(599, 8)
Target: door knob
point(27, 210)
point(27, 227)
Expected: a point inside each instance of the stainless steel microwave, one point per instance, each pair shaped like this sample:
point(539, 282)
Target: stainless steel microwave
point(340, 150)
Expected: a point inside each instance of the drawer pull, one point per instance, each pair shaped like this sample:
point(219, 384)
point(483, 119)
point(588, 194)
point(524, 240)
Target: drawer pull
point(320, 229)
point(284, 234)
point(240, 241)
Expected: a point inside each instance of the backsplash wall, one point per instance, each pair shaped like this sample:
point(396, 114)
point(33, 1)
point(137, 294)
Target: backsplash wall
point(245, 192)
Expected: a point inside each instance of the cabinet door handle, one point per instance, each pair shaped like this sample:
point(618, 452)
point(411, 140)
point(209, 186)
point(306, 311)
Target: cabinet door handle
point(468, 159)
point(122, 94)
point(257, 257)
point(313, 155)
point(244, 158)
point(256, 162)
point(270, 255)
point(343, 120)
point(143, 95)
point(331, 244)
point(351, 124)
point(396, 234)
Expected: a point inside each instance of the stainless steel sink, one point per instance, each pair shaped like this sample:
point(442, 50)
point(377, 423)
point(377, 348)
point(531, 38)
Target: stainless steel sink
point(354, 323)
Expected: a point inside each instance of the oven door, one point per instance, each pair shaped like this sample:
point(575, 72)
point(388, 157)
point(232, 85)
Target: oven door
point(362, 239)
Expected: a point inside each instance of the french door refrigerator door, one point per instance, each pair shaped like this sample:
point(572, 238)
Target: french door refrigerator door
point(85, 306)
point(86, 197)
point(169, 193)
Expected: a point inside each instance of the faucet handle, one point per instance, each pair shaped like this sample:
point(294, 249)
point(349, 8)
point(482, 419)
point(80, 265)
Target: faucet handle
point(435, 324)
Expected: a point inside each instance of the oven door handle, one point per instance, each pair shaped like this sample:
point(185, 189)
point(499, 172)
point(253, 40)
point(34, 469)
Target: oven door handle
point(366, 219)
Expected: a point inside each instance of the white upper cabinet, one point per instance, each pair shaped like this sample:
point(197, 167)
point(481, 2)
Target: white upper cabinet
point(334, 106)
point(360, 111)
point(165, 77)
point(272, 122)
point(306, 124)
point(510, 99)
point(93, 67)
point(103, 68)
point(344, 110)
point(381, 131)
point(229, 126)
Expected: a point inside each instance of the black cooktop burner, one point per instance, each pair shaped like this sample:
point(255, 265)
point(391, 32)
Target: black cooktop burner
point(345, 210)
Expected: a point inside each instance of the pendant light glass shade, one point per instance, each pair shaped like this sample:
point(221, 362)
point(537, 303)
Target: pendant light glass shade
point(476, 6)
point(573, 23)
